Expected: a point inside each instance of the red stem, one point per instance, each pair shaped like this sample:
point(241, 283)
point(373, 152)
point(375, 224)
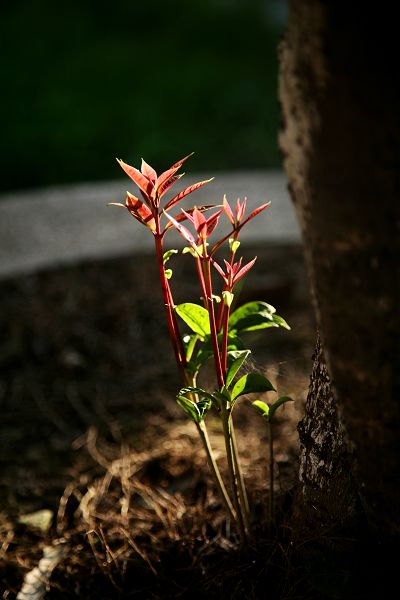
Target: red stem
point(202, 282)
point(225, 340)
point(222, 306)
point(168, 302)
point(210, 307)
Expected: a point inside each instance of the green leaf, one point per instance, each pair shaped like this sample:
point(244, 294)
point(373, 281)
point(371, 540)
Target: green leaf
point(234, 341)
point(235, 360)
point(203, 407)
point(250, 383)
point(190, 342)
point(280, 322)
point(189, 407)
point(262, 408)
point(203, 353)
point(249, 308)
point(197, 410)
point(196, 317)
point(168, 273)
point(252, 314)
point(190, 389)
point(221, 397)
point(279, 403)
point(167, 255)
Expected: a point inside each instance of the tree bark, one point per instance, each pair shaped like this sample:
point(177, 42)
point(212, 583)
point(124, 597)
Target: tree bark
point(340, 142)
point(329, 493)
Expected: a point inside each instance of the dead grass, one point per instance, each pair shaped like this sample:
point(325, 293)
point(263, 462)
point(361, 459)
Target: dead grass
point(107, 449)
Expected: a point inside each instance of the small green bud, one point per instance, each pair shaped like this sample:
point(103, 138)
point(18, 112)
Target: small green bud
point(167, 255)
point(228, 297)
point(189, 250)
point(233, 245)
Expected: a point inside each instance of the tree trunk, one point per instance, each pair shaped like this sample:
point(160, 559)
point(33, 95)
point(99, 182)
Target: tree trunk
point(340, 141)
point(329, 493)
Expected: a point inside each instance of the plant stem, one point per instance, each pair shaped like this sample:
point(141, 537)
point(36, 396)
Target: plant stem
point(167, 296)
point(201, 427)
point(213, 329)
point(241, 485)
point(226, 422)
point(225, 340)
point(271, 474)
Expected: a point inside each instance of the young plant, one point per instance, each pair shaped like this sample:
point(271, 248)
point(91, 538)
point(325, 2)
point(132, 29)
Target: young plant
point(215, 330)
point(268, 412)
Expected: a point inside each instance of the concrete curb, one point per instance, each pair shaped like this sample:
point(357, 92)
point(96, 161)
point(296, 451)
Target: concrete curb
point(66, 224)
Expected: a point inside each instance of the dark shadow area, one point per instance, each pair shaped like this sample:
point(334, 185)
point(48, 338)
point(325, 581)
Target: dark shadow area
point(85, 82)
point(87, 389)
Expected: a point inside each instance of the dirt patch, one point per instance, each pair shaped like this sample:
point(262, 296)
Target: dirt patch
point(91, 431)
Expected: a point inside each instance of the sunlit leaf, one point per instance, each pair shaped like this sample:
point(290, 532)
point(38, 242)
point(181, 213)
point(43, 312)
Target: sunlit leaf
point(192, 389)
point(148, 171)
point(228, 210)
point(189, 407)
point(140, 211)
point(186, 192)
point(233, 245)
point(197, 409)
point(180, 162)
point(190, 343)
point(278, 403)
point(235, 361)
point(163, 189)
point(255, 213)
point(252, 315)
point(182, 230)
point(262, 408)
point(141, 181)
point(167, 255)
point(184, 215)
point(228, 297)
point(116, 204)
point(165, 178)
point(251, 383)
point(196, 317)
point(280, 322)
point(244, 270)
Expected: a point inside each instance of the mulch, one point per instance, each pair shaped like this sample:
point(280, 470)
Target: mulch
point(91, 431)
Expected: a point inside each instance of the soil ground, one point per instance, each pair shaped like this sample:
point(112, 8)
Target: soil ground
point(90, 430)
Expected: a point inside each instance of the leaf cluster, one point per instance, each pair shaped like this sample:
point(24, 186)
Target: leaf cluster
point(251, 316)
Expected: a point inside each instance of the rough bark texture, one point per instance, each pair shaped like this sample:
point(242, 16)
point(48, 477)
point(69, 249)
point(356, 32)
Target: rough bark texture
point(340, 141)
point(328, 487)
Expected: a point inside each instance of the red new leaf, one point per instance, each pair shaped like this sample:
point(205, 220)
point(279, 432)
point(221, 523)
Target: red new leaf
point(141, 181)
point(140, 211)
point(185, 192)
point(255, 212)
point(228, 210)
point(244, 270)
point(182, 230)
point(188, 214)
point(181, 161)
point(148, 171)
point(167, 185)
point(164, 178)
point(212, 222)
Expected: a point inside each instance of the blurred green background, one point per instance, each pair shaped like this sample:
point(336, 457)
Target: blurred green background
point(86, 81)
